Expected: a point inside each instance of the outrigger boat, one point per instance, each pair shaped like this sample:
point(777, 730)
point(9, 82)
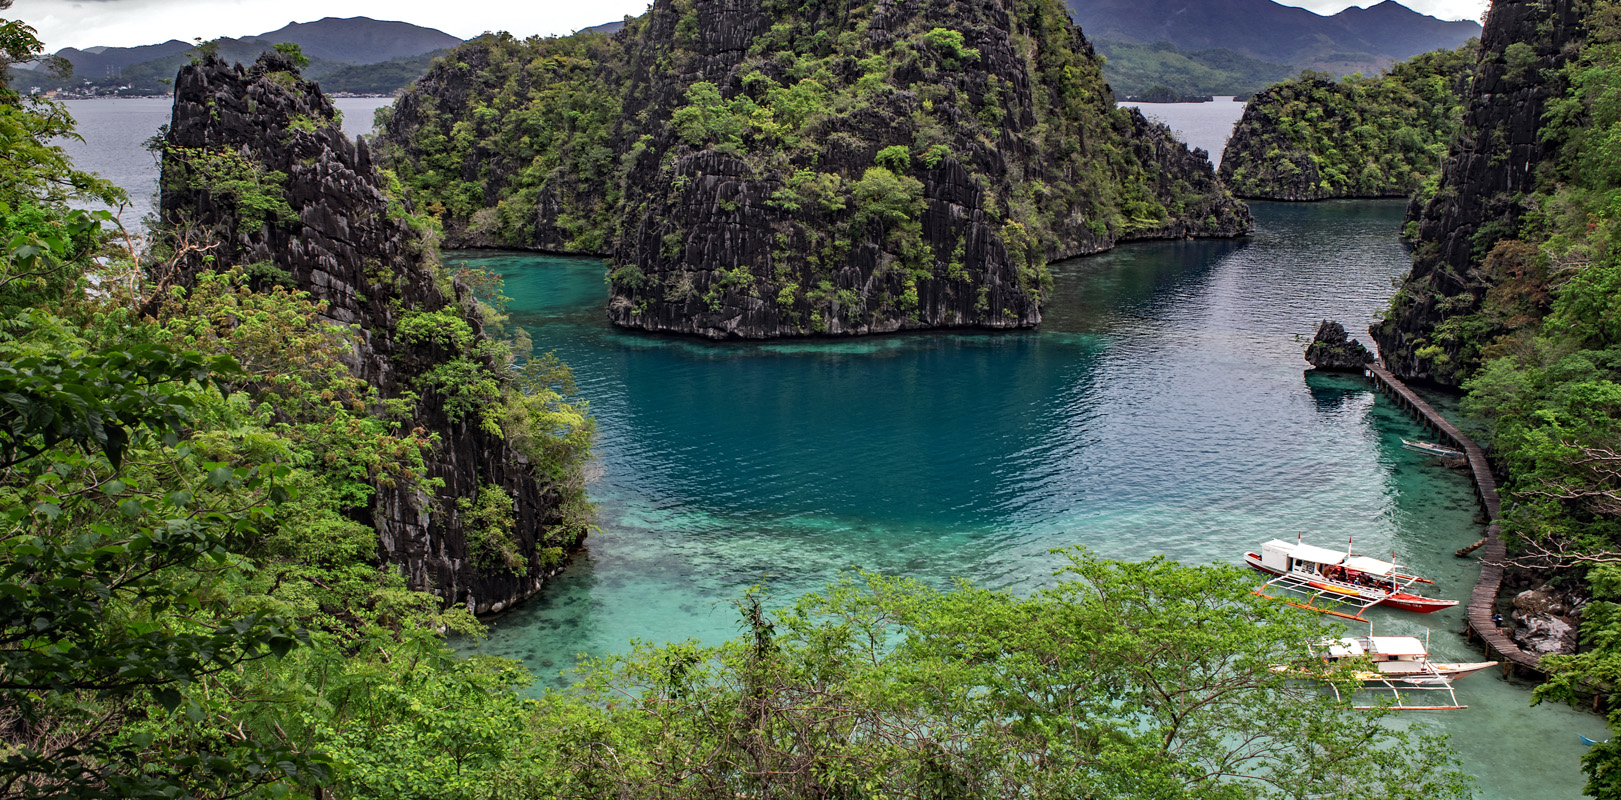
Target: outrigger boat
point(1431, 448)
point(1339, 577)
point(1400, 663)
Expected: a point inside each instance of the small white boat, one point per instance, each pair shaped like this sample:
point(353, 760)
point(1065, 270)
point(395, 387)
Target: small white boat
point(1402, 658)
point(1431, 449)
point(1400, 663)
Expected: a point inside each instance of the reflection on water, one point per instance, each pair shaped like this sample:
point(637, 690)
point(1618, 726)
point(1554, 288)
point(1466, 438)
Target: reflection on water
point(1161, 408)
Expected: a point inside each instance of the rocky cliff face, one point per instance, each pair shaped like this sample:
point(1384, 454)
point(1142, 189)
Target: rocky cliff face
point(772, 169)
point(1490, 168)
point(344, 244)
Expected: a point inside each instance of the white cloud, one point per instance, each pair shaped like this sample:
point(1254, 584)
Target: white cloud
point(1444, 9)
point(127, 23)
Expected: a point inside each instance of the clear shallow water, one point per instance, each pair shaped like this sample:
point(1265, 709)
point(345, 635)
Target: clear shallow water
point(1206, 125)
point(115, 133)
point(1162, 408)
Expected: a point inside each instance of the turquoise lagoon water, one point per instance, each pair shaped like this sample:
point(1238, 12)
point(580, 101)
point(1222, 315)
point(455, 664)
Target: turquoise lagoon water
point(1162, 408)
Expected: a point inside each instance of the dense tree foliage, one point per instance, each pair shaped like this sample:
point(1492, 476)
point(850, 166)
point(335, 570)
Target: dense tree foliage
point(1123, 680)
point(190, 602)
point(1311, 138)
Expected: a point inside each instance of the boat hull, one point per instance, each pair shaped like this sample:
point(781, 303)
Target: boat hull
point(1399, 600)
point(1430, 449)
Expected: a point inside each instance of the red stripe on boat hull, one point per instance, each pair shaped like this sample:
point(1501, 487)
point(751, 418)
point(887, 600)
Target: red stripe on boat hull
point(1399, 600)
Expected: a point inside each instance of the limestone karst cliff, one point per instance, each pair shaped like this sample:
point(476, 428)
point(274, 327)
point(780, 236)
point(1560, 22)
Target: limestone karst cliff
point(756, 169)
point(1431, 330)
point(255, 162)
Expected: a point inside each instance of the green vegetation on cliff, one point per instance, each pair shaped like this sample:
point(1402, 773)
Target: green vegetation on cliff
point(1530, 326)
point(1134, 70)
point(193, 604)
point(790, 169)
point(1312, 138)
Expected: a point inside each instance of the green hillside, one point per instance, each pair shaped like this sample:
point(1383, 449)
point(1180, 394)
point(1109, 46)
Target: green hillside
point(1133, 70)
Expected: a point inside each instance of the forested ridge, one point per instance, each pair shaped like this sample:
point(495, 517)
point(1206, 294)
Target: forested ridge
point(1314, 138)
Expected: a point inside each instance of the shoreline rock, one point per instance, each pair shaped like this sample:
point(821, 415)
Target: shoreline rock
point(944, 163)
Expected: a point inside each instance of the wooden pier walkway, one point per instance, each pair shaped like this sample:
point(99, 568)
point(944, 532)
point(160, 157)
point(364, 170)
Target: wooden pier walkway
point(1483, 601)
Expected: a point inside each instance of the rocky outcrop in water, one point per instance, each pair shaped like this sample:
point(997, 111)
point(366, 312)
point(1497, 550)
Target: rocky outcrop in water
point(341, 239)
point(1489, 170)
point(757, 170)
point(1332, 349)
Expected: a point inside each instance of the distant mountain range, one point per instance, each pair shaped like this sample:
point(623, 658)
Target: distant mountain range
point(1264, 30)
point(357, 54)
point(1185, 47)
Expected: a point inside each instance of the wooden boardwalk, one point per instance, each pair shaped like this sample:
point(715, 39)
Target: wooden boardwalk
point(1483, 600)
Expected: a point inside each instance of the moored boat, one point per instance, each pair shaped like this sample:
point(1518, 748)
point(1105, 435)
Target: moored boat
point(1393, 664)
point(1398, 658)
point(1431, 448)
point(1340, 577)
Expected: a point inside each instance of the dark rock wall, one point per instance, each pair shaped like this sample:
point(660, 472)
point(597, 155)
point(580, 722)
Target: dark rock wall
point(718, 204)
point(1489, 170)
point(345, 248)
point(688, 216)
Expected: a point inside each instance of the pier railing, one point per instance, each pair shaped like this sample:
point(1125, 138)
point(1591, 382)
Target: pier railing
point(1482, 607)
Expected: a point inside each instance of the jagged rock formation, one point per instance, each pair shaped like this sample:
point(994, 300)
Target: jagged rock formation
point(343, 243)
point(757, 170)
point(1489, 170)
point(1309, 138)
point(1331, 349)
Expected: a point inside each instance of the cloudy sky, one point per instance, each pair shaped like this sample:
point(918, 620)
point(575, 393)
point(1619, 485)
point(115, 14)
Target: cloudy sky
point(125, 23)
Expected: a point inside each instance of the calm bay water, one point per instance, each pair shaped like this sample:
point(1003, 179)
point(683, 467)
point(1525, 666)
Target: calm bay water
point(1162, 408)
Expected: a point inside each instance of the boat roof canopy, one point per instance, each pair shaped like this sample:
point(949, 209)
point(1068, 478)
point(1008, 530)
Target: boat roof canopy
point(1318, 555)
point(1371, 566)
point(1344, 648)
point(1397, 646)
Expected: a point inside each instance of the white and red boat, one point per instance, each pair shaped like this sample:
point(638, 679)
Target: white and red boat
point(1339, 577)
point(1393, 664)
